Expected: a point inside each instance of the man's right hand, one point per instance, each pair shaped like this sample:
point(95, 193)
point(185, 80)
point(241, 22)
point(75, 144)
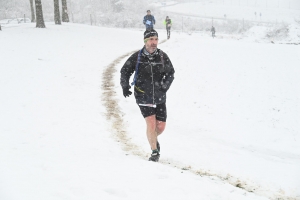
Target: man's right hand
point(126, 91)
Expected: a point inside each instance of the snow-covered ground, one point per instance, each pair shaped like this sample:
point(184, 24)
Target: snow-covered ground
point(234, 105)
point(259, 21)
point(164, 3)
point(233, 118)
point(260, 11)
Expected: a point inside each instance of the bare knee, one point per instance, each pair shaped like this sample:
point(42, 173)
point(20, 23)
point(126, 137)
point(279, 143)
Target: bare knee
point(160, 126)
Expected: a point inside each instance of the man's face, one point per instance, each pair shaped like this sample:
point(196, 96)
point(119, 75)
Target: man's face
point(151, 44)
point(148, 13)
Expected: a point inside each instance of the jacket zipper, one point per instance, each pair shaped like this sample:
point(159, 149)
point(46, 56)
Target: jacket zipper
point(152, 82)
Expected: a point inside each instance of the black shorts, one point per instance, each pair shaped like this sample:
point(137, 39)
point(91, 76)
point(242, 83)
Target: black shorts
point(160, 111)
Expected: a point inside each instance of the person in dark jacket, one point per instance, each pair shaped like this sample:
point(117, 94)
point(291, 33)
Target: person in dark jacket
point(168, 23)
point(149, 20)
point(154, 74)
point(213, 31)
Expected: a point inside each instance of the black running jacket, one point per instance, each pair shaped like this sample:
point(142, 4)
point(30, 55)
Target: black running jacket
point(154, 78)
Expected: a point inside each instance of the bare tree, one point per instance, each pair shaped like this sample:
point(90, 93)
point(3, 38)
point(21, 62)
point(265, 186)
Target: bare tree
point(56, 12)
point(65, 16)
point(32, 11)
point(39, 14)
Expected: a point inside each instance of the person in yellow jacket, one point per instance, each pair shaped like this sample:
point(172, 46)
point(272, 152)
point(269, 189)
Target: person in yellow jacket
point(168, 24)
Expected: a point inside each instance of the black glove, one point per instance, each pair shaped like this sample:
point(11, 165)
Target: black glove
point(126, 91)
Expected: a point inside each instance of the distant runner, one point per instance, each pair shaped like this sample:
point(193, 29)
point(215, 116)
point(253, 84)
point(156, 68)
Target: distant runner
point(168, 24)
point(149, 20)
point(213, 31)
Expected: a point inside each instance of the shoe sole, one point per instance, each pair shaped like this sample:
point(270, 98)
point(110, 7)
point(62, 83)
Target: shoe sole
point(154, 160)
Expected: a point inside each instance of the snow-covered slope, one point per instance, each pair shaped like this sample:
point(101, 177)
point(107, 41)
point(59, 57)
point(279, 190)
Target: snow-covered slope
point(232, 111)
point(260, 21)
point(259, 11)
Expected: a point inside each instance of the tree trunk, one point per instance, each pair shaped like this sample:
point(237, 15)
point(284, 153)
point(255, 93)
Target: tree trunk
point(64, 10)
point(39, 14)
point(32, 11)
point(56, 12)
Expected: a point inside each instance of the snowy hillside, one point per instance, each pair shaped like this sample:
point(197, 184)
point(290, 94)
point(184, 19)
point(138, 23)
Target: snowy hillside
point(260, 11)
point(268, 21)
point(232, 131)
